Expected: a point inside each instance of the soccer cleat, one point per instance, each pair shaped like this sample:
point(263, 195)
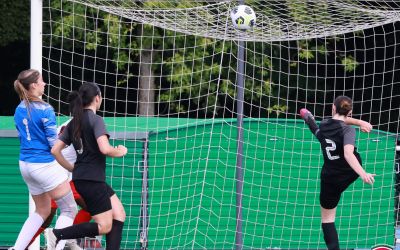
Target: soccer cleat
point(304, 113)
point(309, 120)
point(73, 245)
point(50, 239)
point(307, 116)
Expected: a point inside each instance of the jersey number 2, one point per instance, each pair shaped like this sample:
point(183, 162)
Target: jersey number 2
point(331, 148)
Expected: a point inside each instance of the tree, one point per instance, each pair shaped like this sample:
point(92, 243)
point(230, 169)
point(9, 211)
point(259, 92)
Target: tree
point(189, 74)
point(14, 49)
point(14, 21)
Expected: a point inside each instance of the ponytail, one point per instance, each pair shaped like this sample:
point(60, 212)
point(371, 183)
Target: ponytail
point(22, 85)
point(22, 92)
point(78, 100)
point(76, 109)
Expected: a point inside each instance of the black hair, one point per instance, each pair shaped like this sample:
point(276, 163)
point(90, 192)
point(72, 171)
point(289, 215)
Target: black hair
point(78, 100)
point(343, 105)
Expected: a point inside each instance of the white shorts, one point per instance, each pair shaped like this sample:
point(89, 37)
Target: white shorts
point(42, 177)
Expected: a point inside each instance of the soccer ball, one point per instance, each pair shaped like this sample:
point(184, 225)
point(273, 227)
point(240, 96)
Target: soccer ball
point(243, 17)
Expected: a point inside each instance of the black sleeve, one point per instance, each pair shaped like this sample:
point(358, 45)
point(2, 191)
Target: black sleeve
point(349, 135)
point(99, 128)
point(312, 125)
point(65, 135)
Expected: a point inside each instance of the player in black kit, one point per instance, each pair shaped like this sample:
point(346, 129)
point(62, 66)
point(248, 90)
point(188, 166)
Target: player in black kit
point(342, 163)
point(88, 134)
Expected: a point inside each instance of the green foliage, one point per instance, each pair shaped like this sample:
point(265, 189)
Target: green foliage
point(298, 10)
point(306, 13)
point(306, 54)
point(179, 4)
point(349, 63)
point(71, 20)
point(14, 21)
point(191, 75)
point(195, 72)
point(307, 50)
point(204, 76)
point(277, 109)
point(101, 33)
point(321, 49)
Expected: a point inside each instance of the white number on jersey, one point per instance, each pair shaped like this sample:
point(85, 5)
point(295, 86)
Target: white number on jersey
point(28, 134)
point(330, 149)
point(80, 151)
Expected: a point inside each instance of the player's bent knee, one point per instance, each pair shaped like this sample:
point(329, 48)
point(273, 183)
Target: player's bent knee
point(67, 205)
point(117, 209)
point(105, 227)
point(119, 214)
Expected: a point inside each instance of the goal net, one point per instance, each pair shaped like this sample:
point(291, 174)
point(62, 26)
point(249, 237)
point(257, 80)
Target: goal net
point(168, 71)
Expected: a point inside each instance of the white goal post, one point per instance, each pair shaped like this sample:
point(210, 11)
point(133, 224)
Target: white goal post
point(36, 63)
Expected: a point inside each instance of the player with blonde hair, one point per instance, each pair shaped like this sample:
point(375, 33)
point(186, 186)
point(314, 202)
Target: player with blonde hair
point(35, 121)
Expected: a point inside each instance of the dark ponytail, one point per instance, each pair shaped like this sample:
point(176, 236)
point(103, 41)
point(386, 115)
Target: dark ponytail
point(343, 105)
point(78, 100)
point(76, 109)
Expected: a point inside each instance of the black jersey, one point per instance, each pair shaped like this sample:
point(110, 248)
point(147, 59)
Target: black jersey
point(334, 135)
point(90, 163)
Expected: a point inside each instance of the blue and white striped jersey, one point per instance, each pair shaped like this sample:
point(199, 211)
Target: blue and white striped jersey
point(37, 132)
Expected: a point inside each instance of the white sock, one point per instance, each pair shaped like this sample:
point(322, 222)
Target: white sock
point(28, 230)
point(68, 209)
point(62, 221)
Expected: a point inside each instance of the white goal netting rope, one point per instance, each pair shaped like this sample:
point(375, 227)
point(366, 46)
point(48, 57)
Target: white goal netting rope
point(168, 75)
point(312, 19)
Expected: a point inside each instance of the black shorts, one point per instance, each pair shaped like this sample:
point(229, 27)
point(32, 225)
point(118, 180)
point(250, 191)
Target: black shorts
point(330, 192)
point(96, 195)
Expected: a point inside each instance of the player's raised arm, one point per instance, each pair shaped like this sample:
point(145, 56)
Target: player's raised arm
point(309, 119)
point(364, 126)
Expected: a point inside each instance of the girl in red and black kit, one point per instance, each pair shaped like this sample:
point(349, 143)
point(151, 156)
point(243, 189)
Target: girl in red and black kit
point(342, 163)
point(88, 134)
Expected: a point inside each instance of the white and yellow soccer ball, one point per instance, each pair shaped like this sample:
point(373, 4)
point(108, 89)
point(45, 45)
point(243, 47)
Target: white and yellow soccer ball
point(243, 17)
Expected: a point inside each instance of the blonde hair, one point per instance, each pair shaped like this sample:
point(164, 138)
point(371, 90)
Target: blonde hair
point(22, 85)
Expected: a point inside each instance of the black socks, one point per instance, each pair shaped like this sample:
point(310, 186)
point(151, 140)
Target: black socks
point(330, 236)
point(113, 238)
point(89, 229)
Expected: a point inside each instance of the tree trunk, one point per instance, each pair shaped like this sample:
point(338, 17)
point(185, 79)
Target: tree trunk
point(146, 84)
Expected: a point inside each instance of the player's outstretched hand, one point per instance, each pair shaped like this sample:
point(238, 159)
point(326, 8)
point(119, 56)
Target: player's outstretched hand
point(365, 126)
point(122, 149)
point(368, 178)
